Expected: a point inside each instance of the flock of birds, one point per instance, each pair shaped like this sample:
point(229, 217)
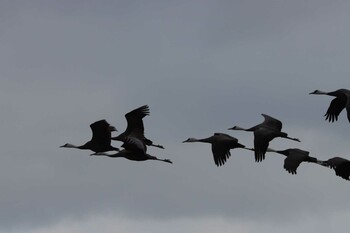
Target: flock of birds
point(135, 143)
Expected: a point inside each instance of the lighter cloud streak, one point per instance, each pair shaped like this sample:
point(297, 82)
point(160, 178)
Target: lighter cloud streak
point(117, 223)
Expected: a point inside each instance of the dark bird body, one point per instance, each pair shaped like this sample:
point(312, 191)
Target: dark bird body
point(341, 101)
point(340, 165)
point(265, 132)
point(294, 157)
point(220, 145)
point(135, 121)
point(134, 141)
point(101, 138)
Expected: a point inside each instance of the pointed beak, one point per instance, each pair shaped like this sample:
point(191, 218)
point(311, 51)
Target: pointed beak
point(312, 92)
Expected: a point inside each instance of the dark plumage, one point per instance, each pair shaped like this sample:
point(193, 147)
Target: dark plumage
point(340, 165)
point(220, 145)
point(135, 123)
point(294, 157)
point(265, 132)
point(341, 101)
point(134, 141)
point(101, 138)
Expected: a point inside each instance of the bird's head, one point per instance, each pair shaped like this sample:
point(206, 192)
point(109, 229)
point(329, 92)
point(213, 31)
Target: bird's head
point(68, 145)
point(191, 140)
point(236, 128)
point(317, 92)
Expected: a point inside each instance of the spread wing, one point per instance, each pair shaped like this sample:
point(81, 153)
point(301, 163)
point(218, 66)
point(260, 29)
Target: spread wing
point(272, 122)
point(294, 159)
point(221, 153)
point(336, 106)
point(100, 132)
point(134, 119)
point(134, 145)
point(336, 161)
point(343, 170)
point(261, 143)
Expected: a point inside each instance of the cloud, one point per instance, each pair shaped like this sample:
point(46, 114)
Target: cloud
point(201, 70)
point(115, 222)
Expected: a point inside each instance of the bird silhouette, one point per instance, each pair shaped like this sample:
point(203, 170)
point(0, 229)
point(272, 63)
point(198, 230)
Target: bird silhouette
point(294, 157)
point(341, 101)
point(340, 165)
point(101, 138)
point(220, 145)
point(265, 132)
point(134, 120)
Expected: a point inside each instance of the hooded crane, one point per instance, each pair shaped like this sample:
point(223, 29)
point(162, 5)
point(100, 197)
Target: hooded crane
point(265, 132)
point(134, 120)
point(101, 138)
point(341, 101)
point(220, 146)
point(340, 165)
point(134, 145)
point(294, 158)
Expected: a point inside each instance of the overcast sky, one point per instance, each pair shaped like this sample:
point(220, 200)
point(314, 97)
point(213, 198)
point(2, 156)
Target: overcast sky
point(202, 67)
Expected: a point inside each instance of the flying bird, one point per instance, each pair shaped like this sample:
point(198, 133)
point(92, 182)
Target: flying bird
point(294, 157)
point(265, 132)
point(134, 141)
point(220, 145)
point(340, 165)
point(101, 138)
point(135, 122)
point(341, 101)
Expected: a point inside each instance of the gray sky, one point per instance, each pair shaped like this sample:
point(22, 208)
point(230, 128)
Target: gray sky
point(202, 67)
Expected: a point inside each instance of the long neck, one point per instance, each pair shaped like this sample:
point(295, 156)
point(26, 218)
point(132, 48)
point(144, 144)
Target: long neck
point(318, 92)
point(315, 160)
point(241, 128)
point(206, 140)
point(282, 152)
point(285, 135)
point(198, 140)
point(69, 145)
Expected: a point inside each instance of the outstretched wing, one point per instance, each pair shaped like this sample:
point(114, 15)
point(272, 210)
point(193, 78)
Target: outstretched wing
point(291, 164)
point(100, 132)
point(134, 145)
point(261, 143)
point(135, 122)
point(336, 106)
point(272, 122)
point(335, 162)
point(221, 153)
point(343, 170)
